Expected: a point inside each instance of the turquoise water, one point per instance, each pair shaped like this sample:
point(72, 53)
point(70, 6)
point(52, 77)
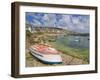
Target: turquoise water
point(81, 42)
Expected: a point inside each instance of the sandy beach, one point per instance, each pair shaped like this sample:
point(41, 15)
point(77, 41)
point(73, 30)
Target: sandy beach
point(32, 61)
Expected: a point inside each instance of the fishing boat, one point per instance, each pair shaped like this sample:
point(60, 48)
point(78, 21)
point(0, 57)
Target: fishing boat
point(46, 54)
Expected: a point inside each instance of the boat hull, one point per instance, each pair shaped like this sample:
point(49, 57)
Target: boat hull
point(47, 59)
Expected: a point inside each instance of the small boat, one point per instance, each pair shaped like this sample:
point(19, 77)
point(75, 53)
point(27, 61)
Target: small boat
point(46, 54)
point(77, 40)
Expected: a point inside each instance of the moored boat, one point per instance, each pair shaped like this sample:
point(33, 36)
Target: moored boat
point(46, 54)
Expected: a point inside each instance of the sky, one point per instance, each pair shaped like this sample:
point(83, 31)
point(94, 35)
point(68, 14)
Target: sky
point(73, 22)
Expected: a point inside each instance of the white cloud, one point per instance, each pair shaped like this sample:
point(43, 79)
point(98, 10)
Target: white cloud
point(75, 20)
point(78, 23)
point(49, 20)
point(36, 23)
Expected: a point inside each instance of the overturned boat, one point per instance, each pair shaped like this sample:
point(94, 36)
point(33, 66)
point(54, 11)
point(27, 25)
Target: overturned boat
point(46, 54)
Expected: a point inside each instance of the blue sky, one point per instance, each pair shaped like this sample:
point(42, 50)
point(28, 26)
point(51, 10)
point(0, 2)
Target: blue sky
point(73, 22)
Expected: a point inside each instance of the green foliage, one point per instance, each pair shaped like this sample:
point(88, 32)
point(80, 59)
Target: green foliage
point(28, 33)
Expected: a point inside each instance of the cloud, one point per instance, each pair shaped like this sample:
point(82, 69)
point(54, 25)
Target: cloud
point(77, 23)
point(36, 22)
point(49, 20)
point(81, 23)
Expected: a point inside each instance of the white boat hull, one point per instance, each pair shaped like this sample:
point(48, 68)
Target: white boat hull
point(47, 58)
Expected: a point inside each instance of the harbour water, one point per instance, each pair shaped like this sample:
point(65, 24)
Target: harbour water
point(74, 41)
